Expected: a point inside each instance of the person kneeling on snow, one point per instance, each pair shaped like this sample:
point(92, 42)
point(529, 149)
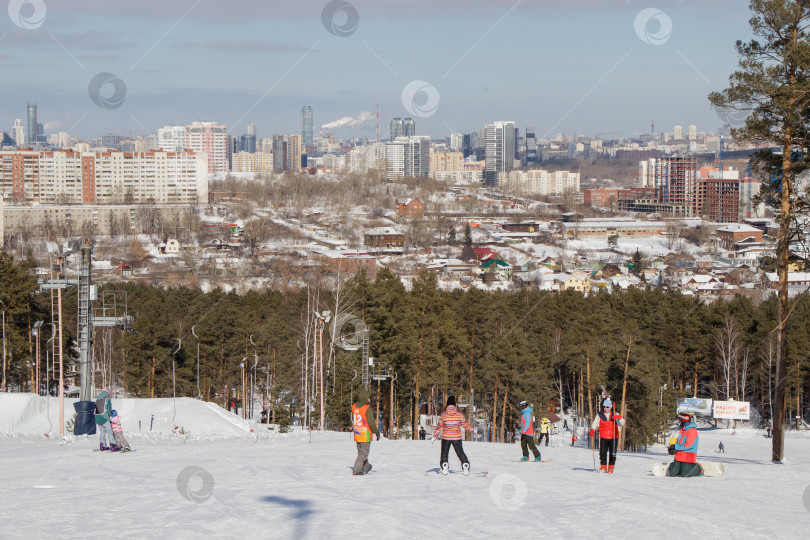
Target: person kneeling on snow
point(686, 446)
point(449, 430)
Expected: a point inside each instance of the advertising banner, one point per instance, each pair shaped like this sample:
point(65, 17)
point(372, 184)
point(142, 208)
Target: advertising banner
point(734, 410)
point(695, 405)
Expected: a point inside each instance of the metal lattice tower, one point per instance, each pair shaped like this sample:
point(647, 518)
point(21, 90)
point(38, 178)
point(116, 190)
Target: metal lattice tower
point(85, 321)
point(365, 358)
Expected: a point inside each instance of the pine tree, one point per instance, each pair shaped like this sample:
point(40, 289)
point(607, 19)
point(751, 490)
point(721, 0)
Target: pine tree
point(773, 83)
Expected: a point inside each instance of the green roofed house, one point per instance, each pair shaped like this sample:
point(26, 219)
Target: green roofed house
point(500, 268)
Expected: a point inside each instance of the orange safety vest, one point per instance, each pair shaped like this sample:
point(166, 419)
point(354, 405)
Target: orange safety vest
point(362, 433)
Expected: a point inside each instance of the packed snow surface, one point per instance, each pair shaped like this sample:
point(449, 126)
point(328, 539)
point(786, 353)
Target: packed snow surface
point(220, 479)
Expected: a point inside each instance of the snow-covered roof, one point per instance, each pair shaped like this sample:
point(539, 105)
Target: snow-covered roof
point(739, 228)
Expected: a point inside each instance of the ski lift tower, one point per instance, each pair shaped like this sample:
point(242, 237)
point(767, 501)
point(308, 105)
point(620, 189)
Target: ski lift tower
point(113, 312)
point(350, 333)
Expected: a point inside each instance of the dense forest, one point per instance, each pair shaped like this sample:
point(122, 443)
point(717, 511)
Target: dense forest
point(648, 348)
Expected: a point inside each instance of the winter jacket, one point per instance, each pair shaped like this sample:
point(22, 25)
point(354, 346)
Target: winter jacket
point(545, 425)
point(527, 422)
point(116, 424)
point(450, 424)
point(604, 423)
point(364, 425)
point(104, 405)
point(687, 444)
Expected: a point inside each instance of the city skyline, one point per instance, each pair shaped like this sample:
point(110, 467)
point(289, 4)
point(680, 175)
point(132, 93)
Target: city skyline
point(588, 67)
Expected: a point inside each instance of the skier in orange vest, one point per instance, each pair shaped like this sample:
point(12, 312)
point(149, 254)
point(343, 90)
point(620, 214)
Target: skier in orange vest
point(364, 425)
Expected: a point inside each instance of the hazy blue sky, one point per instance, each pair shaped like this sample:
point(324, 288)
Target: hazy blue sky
point(572, 66)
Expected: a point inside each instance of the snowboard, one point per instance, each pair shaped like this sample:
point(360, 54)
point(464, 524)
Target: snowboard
point(532, 461)
point(119, 452)
point(709, 469)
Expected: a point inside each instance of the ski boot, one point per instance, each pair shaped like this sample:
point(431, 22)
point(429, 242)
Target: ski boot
point(114, 448)
point(538, 459)
point(101, 447)
point(465, 469)
point(445, 469)
point(610, 469)
point(603, 469)
point(524, 458)
point(357, 473)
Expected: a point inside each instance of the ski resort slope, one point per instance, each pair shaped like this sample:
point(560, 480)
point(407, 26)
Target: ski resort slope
point(299, 485)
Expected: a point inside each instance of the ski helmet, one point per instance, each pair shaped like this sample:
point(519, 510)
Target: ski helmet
point(115, 413)
point(607, 403)
point(523, 405)
point(684, 417)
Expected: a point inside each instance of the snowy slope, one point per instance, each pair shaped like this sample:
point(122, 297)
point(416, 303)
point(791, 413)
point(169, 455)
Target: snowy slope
point(300, 485)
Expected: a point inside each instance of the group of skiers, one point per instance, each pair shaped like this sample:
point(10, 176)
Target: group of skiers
point(607, 423)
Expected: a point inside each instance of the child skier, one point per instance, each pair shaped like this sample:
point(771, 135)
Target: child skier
point(449, 430)
point(118, 432)
point(685, 463)
point(527, 432)
point(609, 424)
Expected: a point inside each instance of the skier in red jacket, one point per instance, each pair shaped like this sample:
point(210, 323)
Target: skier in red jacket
point(609, 425)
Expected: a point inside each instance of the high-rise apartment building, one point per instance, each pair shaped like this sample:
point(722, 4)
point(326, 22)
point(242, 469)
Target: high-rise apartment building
point(212, 139)
point(692, 132)
point(306, 125)
point(500, 150)
point(677, 133)
point(251, 129)
point(31, 132)
point(531, 145)
point(247, 143)
point(408, 127)
point(397, 128)
point(109, 177)
point(674, 180)
point(18, 133)
point(171, 138)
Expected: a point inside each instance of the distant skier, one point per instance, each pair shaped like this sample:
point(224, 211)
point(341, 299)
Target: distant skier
point(103, 415)
point(685, 464)
point(573, 439)
point(721, 448)
point(449, 430)
point(527, 432)
point(545, 427)
point(609, 425)
point(422, 433)
point(364, 426)
point(565, 425)
point(118, 432)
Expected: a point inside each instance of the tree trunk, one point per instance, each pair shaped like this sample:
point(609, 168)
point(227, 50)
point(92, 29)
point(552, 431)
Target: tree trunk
point(492, 436)
point(588, 383)
point(624, 392)
point(503, 414)
point(782, 253)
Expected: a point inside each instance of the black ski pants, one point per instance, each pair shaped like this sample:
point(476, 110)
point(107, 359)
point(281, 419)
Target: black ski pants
point(606, 445)
point(526, 443)
point(685, 470)
point(446, 450)
point(540, 440)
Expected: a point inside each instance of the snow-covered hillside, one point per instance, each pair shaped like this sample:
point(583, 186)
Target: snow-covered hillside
point(228, 482)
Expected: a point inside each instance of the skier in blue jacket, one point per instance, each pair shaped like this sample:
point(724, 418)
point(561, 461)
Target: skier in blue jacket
point(527, 432)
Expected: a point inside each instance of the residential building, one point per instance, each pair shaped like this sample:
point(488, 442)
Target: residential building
point(736, 235)
point(210, 139)
point(252, 163)
point(109, 177)
point(500, 150)
point(677, 133)
point(171, 139)
point(18, 133)
point(410, 207)
point(539, 182)
point(384, 238)
point(306, 125)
